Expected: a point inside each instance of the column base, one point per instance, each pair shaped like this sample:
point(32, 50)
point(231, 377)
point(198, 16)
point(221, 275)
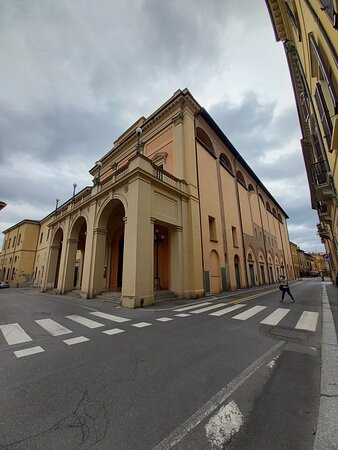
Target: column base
point(137, 302)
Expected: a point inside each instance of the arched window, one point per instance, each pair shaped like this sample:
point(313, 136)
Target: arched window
point(274, 212)
point(261, 198)
point(224, 161)
point(268, 206)
point(240, 178)
point(251, 188)
point(205, 140)
point(280, 218)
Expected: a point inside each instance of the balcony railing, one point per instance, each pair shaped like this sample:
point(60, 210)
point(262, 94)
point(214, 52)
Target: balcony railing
point(119, 173)
point(163, 175)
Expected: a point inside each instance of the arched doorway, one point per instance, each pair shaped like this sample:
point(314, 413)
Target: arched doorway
point(75, 255)
point(237, 272)
point(270, 265)
point(109, 245)
point(52, 278)
point(161, 257)
point(215, 273)
point(262, 267)
point(251, 267)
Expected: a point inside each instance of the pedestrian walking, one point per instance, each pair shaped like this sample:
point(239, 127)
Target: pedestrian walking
point(284, 287)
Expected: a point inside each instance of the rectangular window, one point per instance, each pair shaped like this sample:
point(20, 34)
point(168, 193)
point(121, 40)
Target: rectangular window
point(212, 229)
point(41, 236)
point(48, 234)
point(234, 236)
point(324, 114)
point(9, 243)
point(14, 240)
point(323, 69)
point(19, 239)
point(328, 6)
point(13, 273)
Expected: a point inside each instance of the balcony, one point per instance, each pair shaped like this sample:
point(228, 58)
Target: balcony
point(324, 211)
point(322, 181)
point(323, 233)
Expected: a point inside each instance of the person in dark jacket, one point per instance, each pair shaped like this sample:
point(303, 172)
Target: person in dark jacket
point(285, 288)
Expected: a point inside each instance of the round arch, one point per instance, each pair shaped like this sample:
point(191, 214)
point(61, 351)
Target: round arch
point(251, 267)
point(203, 137)
point(240, 178)
point(225, 162)
point(53, 270)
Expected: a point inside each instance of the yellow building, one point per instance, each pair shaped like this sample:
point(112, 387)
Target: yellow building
point(295, 258)
point(18, 253)
point(319, 263)
point(173, 207)
point(308, 29)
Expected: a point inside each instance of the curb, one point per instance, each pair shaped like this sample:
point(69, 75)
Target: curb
point(327, 430)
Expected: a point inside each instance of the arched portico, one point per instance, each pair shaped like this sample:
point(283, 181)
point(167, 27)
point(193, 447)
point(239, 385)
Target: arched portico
point(75, 252)
point(54, 260)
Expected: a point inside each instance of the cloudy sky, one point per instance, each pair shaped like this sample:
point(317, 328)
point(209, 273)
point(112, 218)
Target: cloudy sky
point(75, 74)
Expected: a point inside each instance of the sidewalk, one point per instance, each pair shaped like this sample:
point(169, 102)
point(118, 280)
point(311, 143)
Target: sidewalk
point(327, 430)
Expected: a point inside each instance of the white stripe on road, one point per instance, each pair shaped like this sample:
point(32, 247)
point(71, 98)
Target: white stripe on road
point(113, 331)
point(211, 405)
point(164, 319)
point(183, 315)
point(208, 308)
point(308, 321)
point(54, 328)
point(141, 324)
point(186, 308)
point(249, 313)
point(109, 317)
point(86, 322)
point(76, 340)
point(275, 317)
point(14, 334)
point(28, 351)
point(226, 310)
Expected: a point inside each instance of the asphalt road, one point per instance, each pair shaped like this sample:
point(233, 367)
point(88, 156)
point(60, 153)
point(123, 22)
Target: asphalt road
point(197, 381)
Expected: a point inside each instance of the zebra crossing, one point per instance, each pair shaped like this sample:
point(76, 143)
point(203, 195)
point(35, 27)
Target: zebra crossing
point(14, 334)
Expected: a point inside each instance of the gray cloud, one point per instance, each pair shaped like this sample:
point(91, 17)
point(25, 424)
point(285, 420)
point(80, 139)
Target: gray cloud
point(74, 76)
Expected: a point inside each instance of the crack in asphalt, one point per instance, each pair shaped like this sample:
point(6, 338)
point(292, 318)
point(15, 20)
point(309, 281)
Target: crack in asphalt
point(90, 415)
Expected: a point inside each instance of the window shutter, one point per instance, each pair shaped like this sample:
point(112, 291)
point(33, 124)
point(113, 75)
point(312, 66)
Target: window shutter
point(324, 114)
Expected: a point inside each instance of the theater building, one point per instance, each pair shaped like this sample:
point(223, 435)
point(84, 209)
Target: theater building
point(173, 207)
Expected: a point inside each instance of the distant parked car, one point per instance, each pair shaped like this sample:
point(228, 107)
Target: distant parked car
point(4, 284)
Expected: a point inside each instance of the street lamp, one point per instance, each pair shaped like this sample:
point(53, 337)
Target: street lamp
point(56, 205)
point(74, 187)
point(158, 238)
point(138, 145)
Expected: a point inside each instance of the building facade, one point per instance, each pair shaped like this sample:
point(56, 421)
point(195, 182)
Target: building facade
point(295, 258)
point(18, 253)
point(308, 29)
point(174, 207)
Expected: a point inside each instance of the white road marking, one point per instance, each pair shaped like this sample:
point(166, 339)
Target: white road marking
point(208, 308)
point(141, 324)
point(308, 321)
point(28, 351)
point(113, 331)
point(109, 317)
point(275, 317)
point(54, 328)
point(14, 334)
point(223, 425)
point(272, 363)
point(186, 308)
point(164, 319)
point(249, 313)
point(226, 310)
point(76, 340)
point(86, 322)
point(211, 405)
point(182, 315)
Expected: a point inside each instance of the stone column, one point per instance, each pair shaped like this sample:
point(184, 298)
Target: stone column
point(97, 262)
point(69, 269)
point(52, 260)
point(176, 261)
point(138, 260)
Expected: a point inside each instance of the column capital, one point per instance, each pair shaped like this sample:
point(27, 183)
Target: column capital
point(152, 219)
point(178, 119)
point(125, 218)
point(100, 231)
point(179, 228)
